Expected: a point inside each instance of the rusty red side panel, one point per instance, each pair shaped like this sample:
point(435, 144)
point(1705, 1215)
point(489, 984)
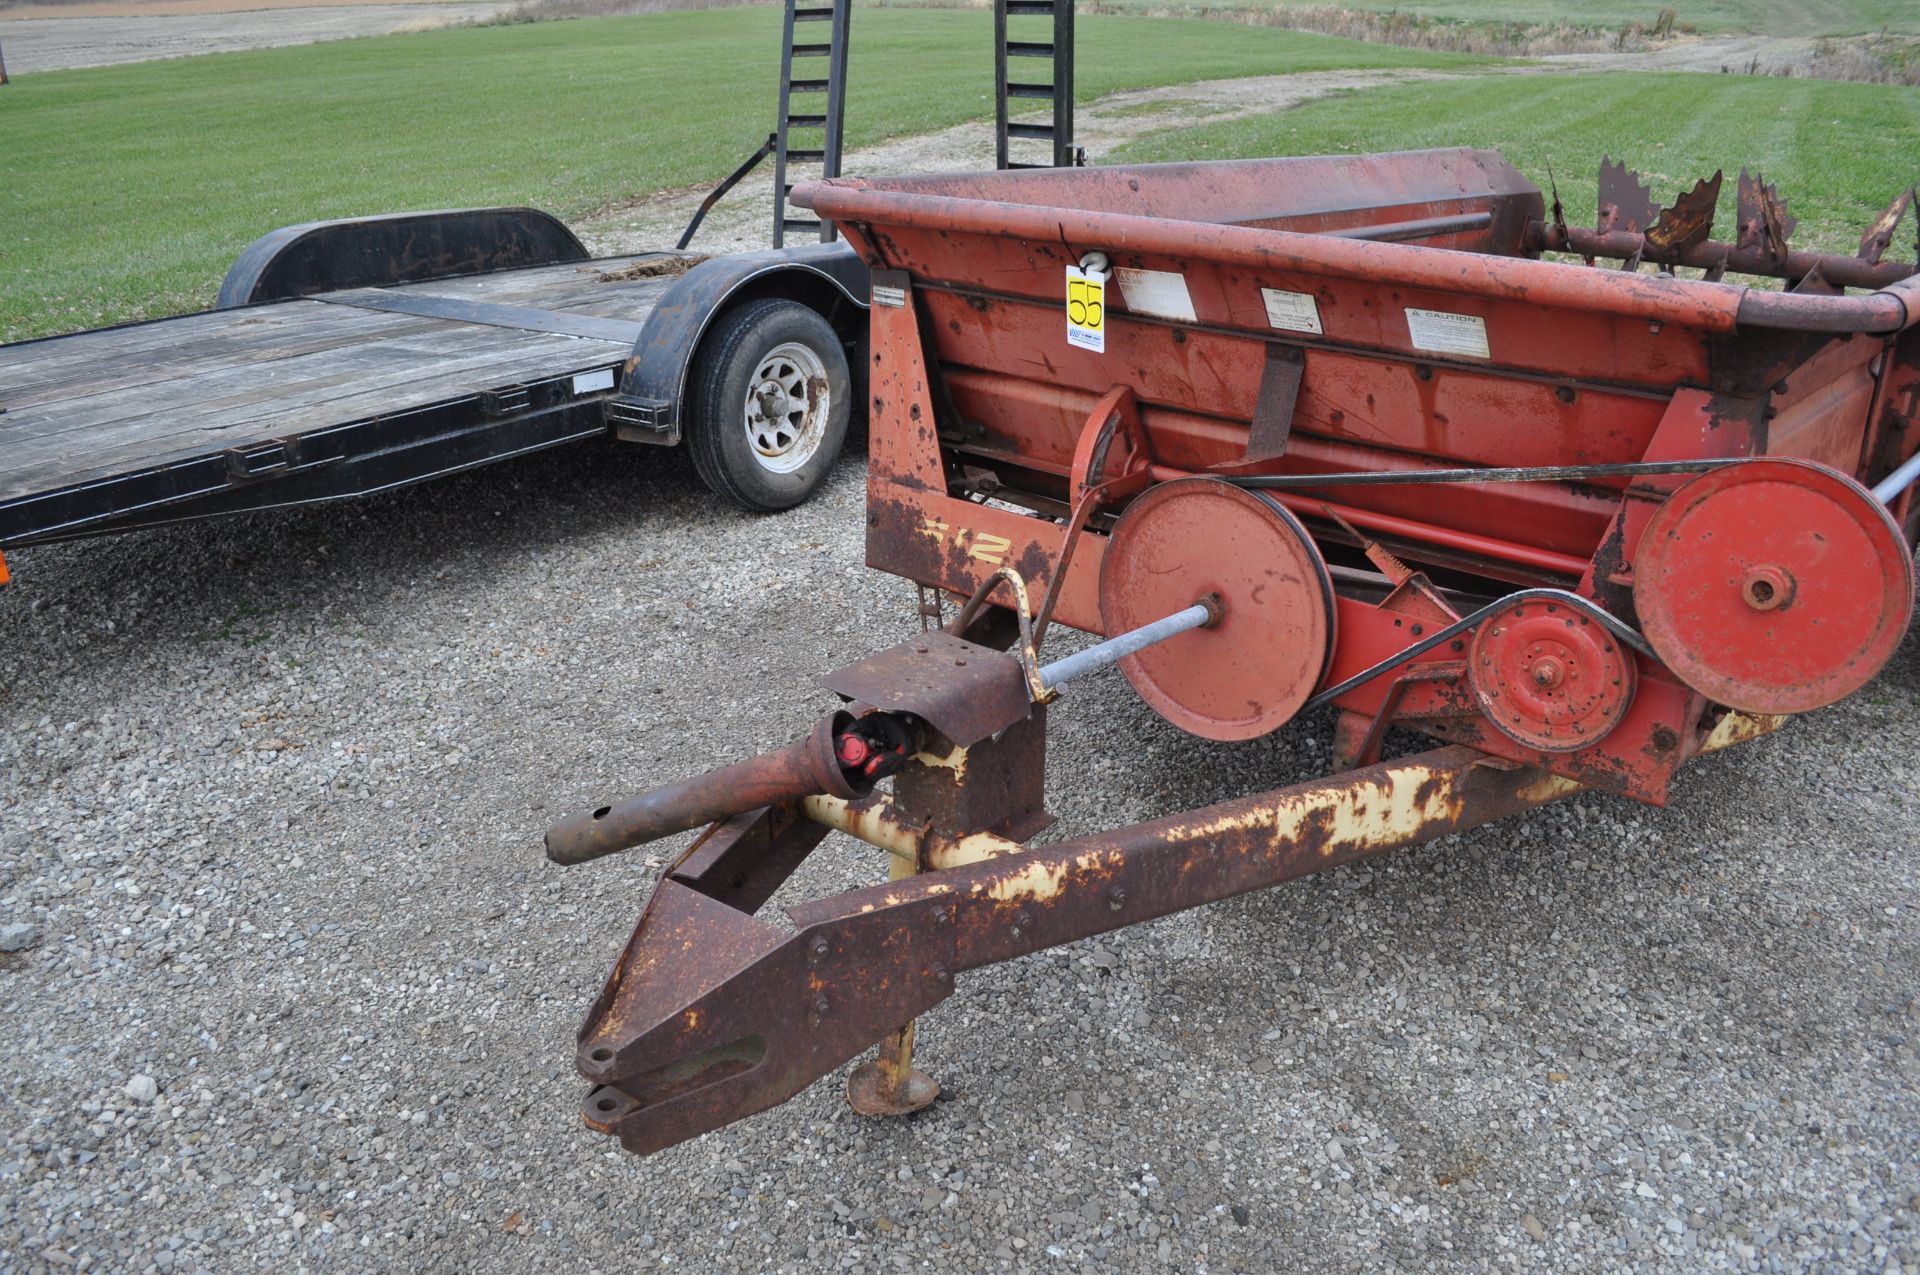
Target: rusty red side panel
point(1424, 334)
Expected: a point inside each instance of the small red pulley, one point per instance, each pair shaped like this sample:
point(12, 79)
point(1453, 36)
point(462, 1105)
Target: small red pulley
point(1550, 676)
point(1773, 585)
point(1249, 672)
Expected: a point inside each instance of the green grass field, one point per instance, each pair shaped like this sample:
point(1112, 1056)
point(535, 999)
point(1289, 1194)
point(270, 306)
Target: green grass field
point(1839, 152)
point(1772, 17)
point(126, 191)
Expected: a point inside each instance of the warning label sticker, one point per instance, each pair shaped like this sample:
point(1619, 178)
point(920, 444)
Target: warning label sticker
point(1446, 333)
point(1292, 311)
point(1157, 292)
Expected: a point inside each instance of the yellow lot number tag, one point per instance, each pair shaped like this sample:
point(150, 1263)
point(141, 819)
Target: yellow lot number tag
point(1087, 309)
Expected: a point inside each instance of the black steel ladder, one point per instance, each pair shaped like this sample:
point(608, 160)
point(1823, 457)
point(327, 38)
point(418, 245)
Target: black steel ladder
point(813, 73)
point(1057, 48)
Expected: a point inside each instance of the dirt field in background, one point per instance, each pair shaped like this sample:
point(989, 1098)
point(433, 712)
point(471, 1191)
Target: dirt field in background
point(107, 32)
point(175, 8)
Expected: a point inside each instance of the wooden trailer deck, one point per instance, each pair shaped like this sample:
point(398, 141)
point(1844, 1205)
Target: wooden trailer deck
point(114, 426)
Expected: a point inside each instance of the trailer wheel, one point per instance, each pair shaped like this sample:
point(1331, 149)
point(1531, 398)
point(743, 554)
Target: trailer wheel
point(768, 404)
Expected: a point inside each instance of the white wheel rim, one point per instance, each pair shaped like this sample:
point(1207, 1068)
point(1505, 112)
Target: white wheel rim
point(787, 408)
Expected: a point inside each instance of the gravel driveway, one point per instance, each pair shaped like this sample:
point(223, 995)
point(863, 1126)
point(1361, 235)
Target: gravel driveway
point(299, 989)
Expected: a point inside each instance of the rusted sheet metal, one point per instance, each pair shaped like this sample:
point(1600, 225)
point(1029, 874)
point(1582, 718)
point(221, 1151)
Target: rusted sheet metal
point(712, 1015)
point(963, 690)
point(1705, 306)
point(1764, 227)
point(1624, 204)
point(1688, 221)
point(1879, 236)
point(1001, 346)
point(1312, 194)
point(1003, 362)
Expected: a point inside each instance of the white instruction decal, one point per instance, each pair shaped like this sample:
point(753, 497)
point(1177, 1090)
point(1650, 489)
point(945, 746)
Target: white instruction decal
point(886, 294)
point(1156, 292)
point(1292, 311)
point(1087, 309)
point(1446, 333)
point(588, 382)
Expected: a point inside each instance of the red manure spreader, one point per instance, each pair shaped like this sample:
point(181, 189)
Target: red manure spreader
point(1287, 434)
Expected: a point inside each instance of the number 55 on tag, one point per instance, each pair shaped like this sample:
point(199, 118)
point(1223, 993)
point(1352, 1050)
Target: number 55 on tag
point(1087, 309)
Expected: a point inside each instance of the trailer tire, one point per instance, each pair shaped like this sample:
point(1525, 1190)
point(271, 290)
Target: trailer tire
point(768, 404)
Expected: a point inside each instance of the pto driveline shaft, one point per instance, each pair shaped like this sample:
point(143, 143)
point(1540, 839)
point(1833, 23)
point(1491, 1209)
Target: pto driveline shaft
point(804, 768)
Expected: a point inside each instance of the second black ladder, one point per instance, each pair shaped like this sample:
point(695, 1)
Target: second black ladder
point(1012, 58)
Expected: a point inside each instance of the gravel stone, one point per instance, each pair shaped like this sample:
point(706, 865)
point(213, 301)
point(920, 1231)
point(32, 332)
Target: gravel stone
point(18, 936)
point(272, 791)
point(142, 1088)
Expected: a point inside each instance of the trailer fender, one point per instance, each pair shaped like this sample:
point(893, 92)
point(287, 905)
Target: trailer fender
point(372, 252)
point(830, 277)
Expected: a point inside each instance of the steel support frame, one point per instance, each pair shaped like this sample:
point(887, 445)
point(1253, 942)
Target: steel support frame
point(711, 1014)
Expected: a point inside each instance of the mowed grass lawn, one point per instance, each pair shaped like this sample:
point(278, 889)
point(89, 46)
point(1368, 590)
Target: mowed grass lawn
point(1771, 17)
point(1839, 152)
point(125, 192)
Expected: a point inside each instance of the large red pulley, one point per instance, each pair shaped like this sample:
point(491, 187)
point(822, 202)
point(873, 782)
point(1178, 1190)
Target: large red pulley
point(1773, 585)
point(1249, 672)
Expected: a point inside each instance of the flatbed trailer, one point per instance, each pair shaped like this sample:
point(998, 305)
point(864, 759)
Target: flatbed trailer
point(350, 357)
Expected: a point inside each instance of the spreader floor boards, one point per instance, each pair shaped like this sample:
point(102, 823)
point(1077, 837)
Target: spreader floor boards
point(99, 407)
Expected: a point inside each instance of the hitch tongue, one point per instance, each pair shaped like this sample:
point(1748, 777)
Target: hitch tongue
point(842, 756)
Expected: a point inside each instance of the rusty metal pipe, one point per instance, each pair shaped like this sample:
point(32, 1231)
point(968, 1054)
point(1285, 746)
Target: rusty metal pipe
point(1848, 272)
point(1420, 228)
point(803, 768)
point(1888, 310)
